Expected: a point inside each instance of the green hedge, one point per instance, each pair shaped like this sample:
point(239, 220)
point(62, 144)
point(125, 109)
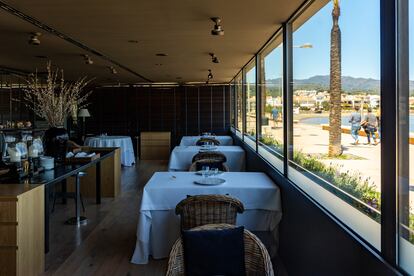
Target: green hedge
point(351, 182)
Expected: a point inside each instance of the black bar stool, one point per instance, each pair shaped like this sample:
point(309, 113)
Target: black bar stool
point(64, 195)
point(77, 219)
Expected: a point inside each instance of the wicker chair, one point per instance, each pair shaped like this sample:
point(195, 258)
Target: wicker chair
point(209, 163)
point(214, 155)
point(206, 140)
point(208, 209)
point(256, 257)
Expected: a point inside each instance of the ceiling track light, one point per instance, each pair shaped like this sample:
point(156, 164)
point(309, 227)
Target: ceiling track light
point(214, 58)
point(34, 38)
point(87, 59)
point(217, 29)
point(210, 75)
point(113, 70)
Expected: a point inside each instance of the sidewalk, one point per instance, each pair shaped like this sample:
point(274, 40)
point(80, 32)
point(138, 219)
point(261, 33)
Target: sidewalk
point(311, 139)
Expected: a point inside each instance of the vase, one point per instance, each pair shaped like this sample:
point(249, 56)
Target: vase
point(55, 142)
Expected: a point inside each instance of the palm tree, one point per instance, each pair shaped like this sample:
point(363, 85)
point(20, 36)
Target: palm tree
point(335, 147)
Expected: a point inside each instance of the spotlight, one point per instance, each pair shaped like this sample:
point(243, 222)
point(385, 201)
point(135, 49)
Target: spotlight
point(34, 39)
point(113, 70)
point(217, 29)
point(87, 59)
point(210, 75)
point(214, 59)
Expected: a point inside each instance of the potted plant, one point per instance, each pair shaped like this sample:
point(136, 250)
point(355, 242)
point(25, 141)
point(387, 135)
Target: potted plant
point(54, 101)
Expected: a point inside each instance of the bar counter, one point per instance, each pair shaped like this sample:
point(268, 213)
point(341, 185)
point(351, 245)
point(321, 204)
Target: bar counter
point(25, 209)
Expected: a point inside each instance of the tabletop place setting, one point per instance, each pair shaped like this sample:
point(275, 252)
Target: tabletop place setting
point(209, 176)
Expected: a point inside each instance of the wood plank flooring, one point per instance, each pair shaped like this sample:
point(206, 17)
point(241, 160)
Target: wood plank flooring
point(106, 244)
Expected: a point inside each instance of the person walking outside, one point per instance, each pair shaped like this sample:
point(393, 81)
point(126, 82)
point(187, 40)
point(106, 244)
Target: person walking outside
point(371, 124)
point(378, 115)
point(275, 114)
point(355, 121)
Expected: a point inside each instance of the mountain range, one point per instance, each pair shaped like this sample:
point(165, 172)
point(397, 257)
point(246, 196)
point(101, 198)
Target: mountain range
point(349, 84)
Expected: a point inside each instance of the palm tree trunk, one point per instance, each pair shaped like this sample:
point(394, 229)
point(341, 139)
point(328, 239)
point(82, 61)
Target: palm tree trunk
point(335, 147)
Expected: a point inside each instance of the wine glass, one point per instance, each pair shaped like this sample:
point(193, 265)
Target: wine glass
point(205, 171)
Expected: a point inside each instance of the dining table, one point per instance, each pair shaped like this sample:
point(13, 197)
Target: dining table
point(108, 141)
point(181, 157)
point(224, 140)
point(159, 227)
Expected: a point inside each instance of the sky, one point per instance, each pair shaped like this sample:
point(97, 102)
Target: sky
point(360, 30)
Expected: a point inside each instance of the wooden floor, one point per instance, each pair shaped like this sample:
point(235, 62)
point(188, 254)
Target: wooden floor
point(105, 245)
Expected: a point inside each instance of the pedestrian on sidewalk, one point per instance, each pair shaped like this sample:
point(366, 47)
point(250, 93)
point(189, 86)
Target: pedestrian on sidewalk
point(355, 121)
point(370, 122)
point(275, 115)
point(378, 115)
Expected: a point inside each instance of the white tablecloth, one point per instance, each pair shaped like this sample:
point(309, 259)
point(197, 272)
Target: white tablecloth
point(159, 227)
point(192, 140)
point(123, 142)
point(181, 157)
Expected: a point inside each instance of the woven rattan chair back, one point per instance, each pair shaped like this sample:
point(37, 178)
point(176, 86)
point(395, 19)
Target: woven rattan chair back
point(208, 209)
point(207, 141)
point(213, 155)
point(256, 258)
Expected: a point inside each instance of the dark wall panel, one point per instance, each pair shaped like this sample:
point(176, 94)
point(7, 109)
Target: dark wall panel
point(13, 106)
point(205, 109)
point(192, 117)
point(219, 109)
point(185, 110)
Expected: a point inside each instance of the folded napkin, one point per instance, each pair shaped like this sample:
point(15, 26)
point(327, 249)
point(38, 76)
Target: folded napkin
point(84, 154)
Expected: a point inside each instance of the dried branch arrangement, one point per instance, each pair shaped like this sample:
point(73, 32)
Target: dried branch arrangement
point(57, 99)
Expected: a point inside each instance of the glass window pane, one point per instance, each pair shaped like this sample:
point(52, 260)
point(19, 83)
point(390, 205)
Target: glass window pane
point(271, 85)
point(239, 103)
point(336, 90)
point(406, 160)
point(232, 104)
point(251, 101)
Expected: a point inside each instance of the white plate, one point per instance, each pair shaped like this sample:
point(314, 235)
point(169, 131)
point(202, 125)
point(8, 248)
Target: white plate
point(210, 172)
point(210, 181)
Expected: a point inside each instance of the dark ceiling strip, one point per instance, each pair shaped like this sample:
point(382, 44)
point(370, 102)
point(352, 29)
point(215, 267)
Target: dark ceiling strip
point(49, 29)
point(8, 70)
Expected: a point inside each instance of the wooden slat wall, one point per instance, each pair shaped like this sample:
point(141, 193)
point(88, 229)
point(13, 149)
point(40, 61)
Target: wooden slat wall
point(185, 110)
point(19, 111)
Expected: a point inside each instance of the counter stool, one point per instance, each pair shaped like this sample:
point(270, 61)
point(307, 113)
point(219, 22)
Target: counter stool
point(77, 219)
point(64, 195)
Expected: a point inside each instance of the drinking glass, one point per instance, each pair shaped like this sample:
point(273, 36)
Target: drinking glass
point(205, 171)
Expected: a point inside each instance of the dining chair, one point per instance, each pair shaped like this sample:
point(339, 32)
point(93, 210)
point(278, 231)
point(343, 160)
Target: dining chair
point(214, 155)
point(208, 209)
point(212, 164)
point(207, 141)
point(256, 258)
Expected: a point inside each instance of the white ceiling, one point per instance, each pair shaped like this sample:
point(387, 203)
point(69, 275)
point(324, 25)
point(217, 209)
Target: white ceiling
point(179, 28)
